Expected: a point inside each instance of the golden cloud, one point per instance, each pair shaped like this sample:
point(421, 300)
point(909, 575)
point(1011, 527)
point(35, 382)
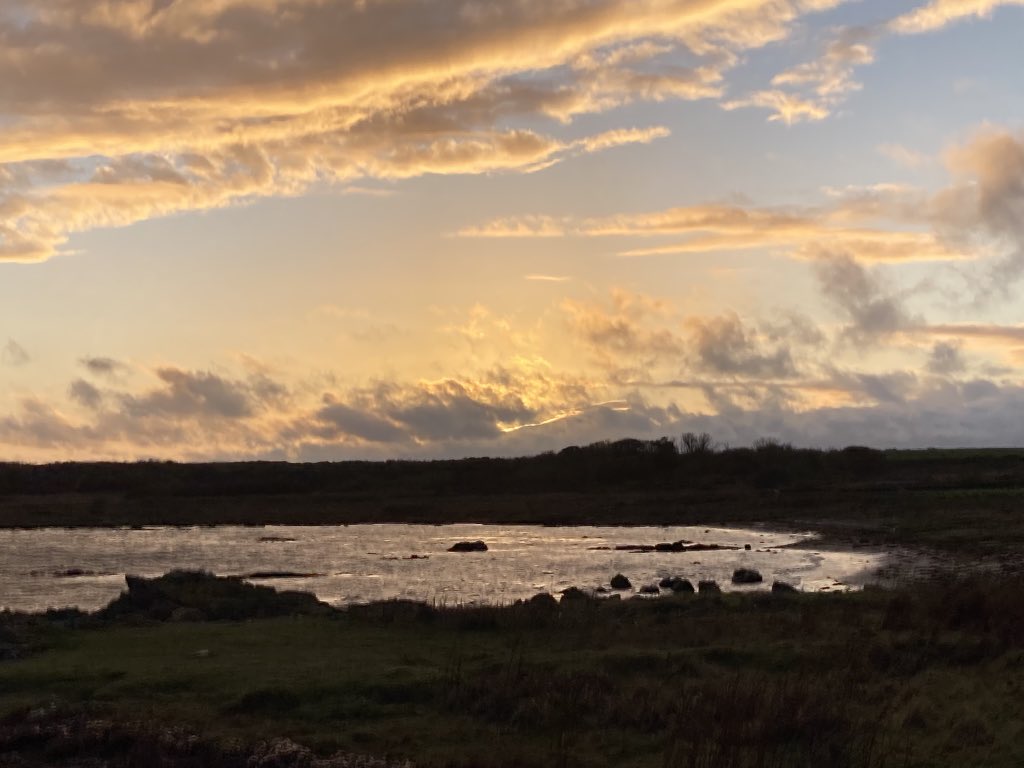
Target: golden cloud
point(201, 104)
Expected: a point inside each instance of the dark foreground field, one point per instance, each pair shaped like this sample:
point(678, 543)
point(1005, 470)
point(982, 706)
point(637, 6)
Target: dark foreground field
point(191, 671)
point(201, 672)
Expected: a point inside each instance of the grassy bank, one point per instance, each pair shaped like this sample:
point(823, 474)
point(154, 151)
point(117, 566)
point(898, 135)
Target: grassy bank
point(929, 676)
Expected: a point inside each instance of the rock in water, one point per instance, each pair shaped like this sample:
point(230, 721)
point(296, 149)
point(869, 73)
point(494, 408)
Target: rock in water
point(620, 582)
point(468, 546)
point(781, 586)
point(746, 576)
point(708, 587)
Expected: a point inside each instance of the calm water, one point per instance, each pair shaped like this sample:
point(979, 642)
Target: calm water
point(360, 563)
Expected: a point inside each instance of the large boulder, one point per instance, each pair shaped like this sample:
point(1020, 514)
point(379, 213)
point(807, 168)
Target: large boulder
point(746, 576)
point(468, 546)
point(708, 587)
point(621, 582)
point(783, 587)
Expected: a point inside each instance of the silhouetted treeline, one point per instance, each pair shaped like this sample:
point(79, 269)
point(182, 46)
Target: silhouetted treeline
point(691, 462)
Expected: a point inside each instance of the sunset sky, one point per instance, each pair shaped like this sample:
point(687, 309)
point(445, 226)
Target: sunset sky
point(327, 229)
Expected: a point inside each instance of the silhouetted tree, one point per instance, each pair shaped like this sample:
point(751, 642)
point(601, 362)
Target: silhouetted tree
point(691, 442)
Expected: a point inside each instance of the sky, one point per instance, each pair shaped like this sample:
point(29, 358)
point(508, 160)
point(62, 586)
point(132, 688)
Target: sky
point(334, 229)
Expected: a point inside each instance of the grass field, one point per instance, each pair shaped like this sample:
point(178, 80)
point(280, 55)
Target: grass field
point(926, 677)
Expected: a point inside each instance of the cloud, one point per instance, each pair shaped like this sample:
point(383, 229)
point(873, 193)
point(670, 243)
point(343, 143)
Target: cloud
point(102, 366)
point(85, 394)
point(548, 278)
point(880, 224)
point(661, 373)
point(935, 15)
point(812, 91)
point(338, 420)
point(871, 309)
point(14, 355)
point(986, 203)
point(977, 413)
point(630, 329)
point(186, 394)
point(724, 345)
point(785, 107)
point(189, 106)
point(945, 359)
point(1009, 334)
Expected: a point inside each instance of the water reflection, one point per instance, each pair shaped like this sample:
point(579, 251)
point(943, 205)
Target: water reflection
point(360, 563)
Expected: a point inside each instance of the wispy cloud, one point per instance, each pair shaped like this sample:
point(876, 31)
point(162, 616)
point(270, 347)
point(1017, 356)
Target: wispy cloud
point(548, 278)
point(191, 106)
point(14, 355)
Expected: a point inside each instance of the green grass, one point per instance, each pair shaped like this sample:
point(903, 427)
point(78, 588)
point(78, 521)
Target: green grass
point(931, 677)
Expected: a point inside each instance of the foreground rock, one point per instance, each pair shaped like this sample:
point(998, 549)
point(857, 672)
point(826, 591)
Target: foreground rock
point(783, 587)
point(468, 546)
point(708, 587)
point(746, 576)
point(200, 596)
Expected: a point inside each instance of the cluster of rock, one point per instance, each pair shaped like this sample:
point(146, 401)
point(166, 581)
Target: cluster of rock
point(674, 546)
point(674, 584)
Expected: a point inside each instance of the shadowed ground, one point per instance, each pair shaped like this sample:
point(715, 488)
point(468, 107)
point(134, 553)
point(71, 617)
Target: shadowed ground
point(929, 676)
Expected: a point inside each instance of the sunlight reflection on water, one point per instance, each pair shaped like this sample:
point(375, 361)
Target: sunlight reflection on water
point(360, 563)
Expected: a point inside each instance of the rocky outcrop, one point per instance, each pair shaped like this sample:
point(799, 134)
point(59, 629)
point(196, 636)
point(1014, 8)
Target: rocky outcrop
point(198, 596)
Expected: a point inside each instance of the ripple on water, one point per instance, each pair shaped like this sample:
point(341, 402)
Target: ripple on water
point(346, 566)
